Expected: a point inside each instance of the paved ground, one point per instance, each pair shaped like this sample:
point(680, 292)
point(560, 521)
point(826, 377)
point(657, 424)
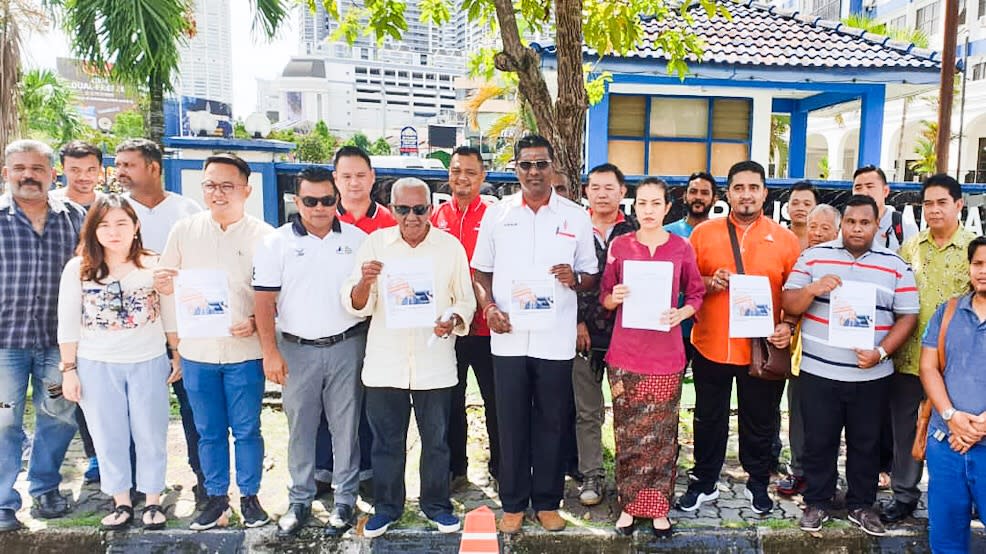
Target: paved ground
point(732, 510)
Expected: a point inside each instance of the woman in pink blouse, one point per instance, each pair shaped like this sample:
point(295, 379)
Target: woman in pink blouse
point(645, 366)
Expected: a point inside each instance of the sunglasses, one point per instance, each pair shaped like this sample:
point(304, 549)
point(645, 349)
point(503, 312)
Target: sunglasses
point(541, 165)
point(116, 302)
point(312, 201)
point(420, 209)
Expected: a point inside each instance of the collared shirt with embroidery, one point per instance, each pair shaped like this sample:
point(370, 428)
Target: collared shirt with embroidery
point(307, 273)
point(598, 320)
point(940, 273)
point(516, 243)
point(377, 217)
point(464, 225)
point(402, 358)
point(768, 249)
point(198, 242)
point(31, 270)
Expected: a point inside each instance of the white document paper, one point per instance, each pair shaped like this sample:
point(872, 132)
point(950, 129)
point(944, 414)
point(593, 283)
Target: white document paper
point(751, 307)
point(202, 303)
point(532, 302)
point(650, 284)
point(408, 292)
point(852, 315)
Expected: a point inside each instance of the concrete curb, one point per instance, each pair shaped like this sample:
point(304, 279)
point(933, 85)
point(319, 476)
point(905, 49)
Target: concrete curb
point(409, 541)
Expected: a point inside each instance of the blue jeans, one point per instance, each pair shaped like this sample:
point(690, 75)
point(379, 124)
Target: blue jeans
point(389, 411)
point(54, 428)
point(955, 481)
point(224, 398)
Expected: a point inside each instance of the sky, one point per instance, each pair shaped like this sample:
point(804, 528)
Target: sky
point(253, 56)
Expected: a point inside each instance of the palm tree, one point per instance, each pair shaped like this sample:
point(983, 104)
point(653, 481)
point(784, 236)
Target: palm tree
point(47, 107)
point(136, 42)
point(779, 127)
point(16, 16)
point(509, 126)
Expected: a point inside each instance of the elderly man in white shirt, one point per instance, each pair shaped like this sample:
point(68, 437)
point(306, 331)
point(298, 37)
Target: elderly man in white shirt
point(415, 283)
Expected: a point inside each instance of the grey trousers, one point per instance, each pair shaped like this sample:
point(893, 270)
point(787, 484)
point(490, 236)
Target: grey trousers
point(796, 426)
point(590, 413)
point(906, 394)
point(123, 401)
point(323, 378)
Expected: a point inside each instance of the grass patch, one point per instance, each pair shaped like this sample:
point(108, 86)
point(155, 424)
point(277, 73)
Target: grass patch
point(412, 517)
point(734, 524)
point(779, 524)
point(89, 520)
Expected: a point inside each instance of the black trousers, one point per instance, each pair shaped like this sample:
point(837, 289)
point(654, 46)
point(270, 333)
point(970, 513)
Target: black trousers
point(758, 404)
point(534, 410)
point(473, 351)
point(829, 407)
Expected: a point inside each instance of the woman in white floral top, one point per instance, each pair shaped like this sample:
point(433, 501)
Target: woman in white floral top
point(112, 327)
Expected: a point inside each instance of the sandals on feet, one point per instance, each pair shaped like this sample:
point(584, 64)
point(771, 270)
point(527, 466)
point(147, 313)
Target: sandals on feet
point(118, 511)
point(149, 512)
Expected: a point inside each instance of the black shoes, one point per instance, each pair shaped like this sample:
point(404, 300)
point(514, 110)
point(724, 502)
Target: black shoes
point(868, 521)
point(340, 520)
point(694, 498)
point(253, 513)
point(759, 499)
point(896, 511)
point(294, 519)
point(215, 514)
point(8, 521)
point(50, 505)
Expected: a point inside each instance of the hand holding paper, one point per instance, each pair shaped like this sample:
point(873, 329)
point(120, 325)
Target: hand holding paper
point(651, 283)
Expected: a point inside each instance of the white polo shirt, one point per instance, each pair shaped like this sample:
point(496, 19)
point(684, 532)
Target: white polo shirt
point(156, 222)
point(515, 243)
point(308, 272)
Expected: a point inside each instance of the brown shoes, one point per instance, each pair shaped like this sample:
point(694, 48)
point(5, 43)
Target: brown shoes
point(511, 523)
point(550, 520)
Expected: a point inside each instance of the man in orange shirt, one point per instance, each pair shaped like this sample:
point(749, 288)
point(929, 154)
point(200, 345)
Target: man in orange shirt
point(767, 249)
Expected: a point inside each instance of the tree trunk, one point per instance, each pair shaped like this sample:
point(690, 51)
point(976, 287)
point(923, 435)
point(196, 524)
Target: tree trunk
point(901, 163)
point(562, 123)
point(9, 74)
point(154, 120)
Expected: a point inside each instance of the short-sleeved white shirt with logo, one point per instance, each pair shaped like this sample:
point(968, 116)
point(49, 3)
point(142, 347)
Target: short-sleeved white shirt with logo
point(308, 272)
point(516, 243)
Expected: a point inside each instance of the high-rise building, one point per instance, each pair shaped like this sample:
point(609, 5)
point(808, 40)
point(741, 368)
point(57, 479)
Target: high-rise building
point(206, 68)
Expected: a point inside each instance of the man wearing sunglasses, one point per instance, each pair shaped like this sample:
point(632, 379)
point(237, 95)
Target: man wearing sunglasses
point(410, 362)
point(461, 216)
point(297, 274)
point(534, 252)
point(223, 375)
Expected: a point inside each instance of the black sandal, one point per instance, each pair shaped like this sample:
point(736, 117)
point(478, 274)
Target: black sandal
point(627, 530)
point(121, 509)
point(152, 510)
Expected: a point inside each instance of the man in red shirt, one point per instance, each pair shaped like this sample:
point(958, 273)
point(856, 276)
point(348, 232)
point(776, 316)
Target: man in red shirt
point(460, 217)
point(354, 176)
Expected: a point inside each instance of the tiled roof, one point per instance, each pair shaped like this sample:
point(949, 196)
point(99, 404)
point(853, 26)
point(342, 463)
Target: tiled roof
point(762, 35)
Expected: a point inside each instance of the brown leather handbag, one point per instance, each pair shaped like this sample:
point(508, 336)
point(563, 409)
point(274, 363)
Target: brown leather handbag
point(924, 411)
point(766, 360)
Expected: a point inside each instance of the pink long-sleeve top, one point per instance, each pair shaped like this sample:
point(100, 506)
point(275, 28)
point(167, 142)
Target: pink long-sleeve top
point(642, 350)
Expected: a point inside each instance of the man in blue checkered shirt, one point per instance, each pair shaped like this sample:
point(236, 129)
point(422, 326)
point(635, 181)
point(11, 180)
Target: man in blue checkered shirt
point(38, 235)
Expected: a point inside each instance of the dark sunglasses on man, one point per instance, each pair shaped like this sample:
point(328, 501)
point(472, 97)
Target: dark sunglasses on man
point(541, 165)
point(419, 210)
point(312, 201)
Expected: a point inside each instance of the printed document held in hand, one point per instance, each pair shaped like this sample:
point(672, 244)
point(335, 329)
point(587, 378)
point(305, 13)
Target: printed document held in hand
point(202, 303)
point(649, 284)
point(852, 315)
point(407, 289)
point(751, 306)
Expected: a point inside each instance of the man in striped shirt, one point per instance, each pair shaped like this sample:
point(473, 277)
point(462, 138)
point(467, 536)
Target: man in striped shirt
point(847, 388)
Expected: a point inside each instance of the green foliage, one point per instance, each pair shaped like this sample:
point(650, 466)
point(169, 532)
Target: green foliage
point(128, 124)
point(380, 147)
point(442, 156)
point(360, 140)
point(823, 168)
point(595, 85)
point(927, 161)
point(47, 108)
point(312, 148)
point(779, 127)
point(869, 24)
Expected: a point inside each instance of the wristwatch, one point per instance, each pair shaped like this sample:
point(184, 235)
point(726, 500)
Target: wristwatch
point(883, 353)
point(947, 414)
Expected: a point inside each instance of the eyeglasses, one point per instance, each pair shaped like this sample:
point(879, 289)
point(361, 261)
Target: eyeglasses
point(226, 187)
point(541, 165)
point(420, 209)
point(312, 201)
point(116, 302)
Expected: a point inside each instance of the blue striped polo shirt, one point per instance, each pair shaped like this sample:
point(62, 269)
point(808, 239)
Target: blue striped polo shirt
point(896, 293)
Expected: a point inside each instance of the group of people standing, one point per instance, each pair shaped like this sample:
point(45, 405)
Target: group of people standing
point(529, 292)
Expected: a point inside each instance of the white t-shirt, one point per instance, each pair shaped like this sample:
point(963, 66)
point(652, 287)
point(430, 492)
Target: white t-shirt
point(307, 272)
point(514, 244)
point(156, 222)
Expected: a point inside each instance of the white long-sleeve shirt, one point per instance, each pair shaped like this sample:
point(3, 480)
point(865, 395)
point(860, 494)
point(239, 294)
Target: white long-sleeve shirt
point(110, 323)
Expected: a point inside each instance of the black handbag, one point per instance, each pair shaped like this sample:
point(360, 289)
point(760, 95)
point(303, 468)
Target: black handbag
point(767, 362)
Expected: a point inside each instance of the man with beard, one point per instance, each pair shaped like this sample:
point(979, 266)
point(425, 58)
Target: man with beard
point(699, 198)
point(38, 235)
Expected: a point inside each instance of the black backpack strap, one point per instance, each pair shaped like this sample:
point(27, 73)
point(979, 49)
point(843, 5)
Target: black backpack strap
point(737, 256)
point(897, 224)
